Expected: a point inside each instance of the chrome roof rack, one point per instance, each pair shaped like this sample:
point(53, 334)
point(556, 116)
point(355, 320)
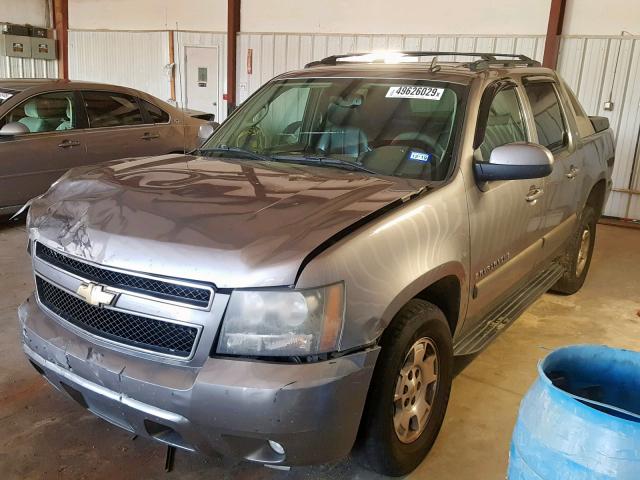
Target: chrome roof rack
point(484, 61)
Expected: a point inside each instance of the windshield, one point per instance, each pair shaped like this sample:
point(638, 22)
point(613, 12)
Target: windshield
point(4, 96)
point(402, 128)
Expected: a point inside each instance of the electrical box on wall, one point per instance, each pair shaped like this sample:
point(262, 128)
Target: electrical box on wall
point(13, 29)
point(15, 46)
point(38, 32)
point(43, 48)
point(26, 41)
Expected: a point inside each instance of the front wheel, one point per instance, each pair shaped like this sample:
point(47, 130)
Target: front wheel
point(409, 392)
point(578, 257)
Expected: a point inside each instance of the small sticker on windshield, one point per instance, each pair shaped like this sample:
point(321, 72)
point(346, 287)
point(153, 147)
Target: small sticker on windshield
point(411, 91)
point(420, 156)
point(5, 96)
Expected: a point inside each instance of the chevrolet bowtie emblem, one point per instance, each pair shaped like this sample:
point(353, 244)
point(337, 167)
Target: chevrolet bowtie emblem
point(95, 294)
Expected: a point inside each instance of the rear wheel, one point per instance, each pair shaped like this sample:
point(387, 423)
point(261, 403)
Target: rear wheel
point(409, 392)
point(578, 257)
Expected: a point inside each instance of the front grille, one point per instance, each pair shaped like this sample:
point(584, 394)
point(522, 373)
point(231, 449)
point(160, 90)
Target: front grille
point(156, 288)
point(141, 332)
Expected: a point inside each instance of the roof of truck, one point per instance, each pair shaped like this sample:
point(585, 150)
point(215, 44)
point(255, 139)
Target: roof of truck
point(442, 66)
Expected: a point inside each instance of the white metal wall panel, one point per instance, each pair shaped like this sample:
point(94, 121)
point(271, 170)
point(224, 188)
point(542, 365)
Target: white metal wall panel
point(140, 59)
point(276, 53)
point(201, 39)
point(588, 65)
point(131, 59)
point(27, 68)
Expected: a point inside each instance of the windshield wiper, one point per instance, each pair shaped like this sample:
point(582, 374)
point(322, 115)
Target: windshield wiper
point(238, 151)
point(327, 162)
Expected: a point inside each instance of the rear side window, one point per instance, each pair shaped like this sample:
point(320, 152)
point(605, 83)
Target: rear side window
point(49, 112)
point(106, 109)
point(585, 127)
point(156, 114)
point(550, 124)
point(504, 122)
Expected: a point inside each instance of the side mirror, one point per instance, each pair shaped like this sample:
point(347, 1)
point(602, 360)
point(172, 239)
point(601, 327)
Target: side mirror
point(515, 161)
point(206, 130)
point(14, 128)
point(600, 124)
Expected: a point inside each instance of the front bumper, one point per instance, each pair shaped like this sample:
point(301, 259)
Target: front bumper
point(230, 406)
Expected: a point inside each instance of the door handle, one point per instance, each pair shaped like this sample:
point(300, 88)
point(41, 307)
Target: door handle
point(69, 143)
point(149, 136)
point(534, 194)
point(573, 172)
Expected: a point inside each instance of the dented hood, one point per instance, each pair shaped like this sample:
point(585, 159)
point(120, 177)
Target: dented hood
point(235, 223)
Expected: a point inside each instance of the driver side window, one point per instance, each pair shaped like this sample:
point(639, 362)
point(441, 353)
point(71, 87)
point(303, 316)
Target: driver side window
point(505, 123)
point(49, 112)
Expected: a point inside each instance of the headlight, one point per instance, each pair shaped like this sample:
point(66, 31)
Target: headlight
point(283, 322)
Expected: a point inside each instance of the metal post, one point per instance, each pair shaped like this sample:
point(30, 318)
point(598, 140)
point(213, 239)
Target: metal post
point(172, 62)
point(554, 30)
point(61, 25)
point(233, 28)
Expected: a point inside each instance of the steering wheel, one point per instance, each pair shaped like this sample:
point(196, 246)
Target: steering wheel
point(291, 133)
point(293, 128)
point(252, 138)
point(429, 143)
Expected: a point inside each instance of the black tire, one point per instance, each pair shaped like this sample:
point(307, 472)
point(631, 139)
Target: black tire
point(379, 447)
point(574, 278)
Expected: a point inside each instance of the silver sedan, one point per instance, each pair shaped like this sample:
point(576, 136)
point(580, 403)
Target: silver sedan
point(50, 126)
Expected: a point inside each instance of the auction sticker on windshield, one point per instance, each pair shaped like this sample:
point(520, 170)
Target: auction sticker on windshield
point(412, 91)
point(5, 96)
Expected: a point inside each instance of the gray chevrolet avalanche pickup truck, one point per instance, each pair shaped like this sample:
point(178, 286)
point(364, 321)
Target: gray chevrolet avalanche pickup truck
point(299, 286)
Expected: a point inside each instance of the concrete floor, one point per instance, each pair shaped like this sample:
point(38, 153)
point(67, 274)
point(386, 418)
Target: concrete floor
point(47, 436)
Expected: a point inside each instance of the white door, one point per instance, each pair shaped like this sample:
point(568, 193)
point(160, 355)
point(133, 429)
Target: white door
point(202, 79)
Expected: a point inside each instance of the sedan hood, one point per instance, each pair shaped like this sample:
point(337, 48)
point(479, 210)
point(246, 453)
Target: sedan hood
point(234, 223)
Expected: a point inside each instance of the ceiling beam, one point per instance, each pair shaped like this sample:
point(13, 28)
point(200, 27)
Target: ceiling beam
point(233, 28)
point(61, 25)
point(554, 31)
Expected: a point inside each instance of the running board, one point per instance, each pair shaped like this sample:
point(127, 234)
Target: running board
point(508, 311)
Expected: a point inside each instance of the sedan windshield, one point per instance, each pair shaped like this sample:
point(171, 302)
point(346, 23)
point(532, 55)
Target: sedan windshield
point(403, 128)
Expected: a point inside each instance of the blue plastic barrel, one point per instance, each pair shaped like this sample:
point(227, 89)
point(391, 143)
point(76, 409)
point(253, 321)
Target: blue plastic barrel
point(581, 419)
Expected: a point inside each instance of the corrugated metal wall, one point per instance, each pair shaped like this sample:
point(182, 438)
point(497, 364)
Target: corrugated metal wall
point(276, 53)
point(139, 59)
point(132, 59)
point(27, 68)
point(588, 64)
